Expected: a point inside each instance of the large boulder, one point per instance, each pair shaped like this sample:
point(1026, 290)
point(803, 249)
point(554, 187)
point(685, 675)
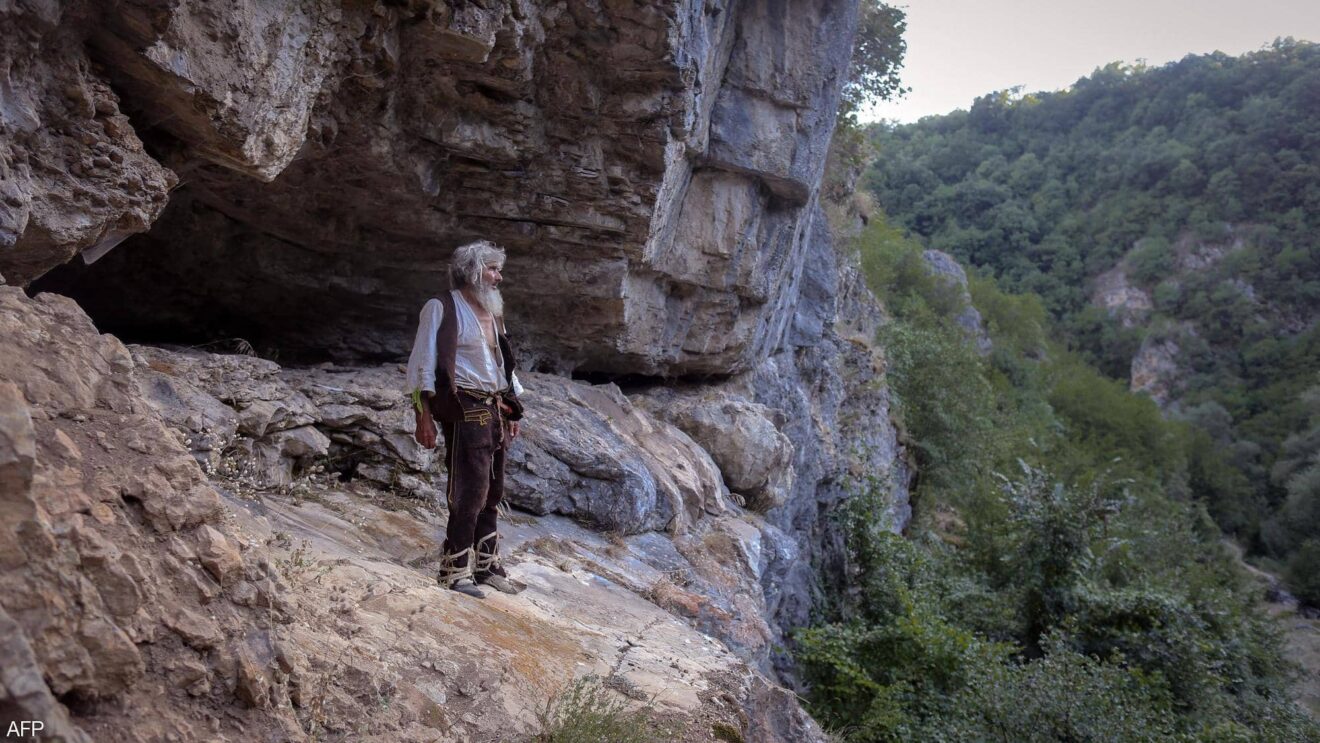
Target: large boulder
point(753, 456)
point(588, 451)
point(953, 278)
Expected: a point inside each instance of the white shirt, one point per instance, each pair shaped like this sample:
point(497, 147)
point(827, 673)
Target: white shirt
point(476, 365)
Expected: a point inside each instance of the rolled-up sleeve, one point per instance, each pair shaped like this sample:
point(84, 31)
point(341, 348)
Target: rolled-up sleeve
point(421, 363)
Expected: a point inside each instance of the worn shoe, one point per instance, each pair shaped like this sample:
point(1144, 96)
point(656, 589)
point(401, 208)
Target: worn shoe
point(468, 589)
point(501, 583)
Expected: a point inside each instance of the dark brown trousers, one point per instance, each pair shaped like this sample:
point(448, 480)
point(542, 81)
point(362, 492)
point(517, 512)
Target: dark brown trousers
point(474, 455)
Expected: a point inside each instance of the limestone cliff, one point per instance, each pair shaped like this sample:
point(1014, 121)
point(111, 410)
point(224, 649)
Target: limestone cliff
point(200, 546)
point(650, 166)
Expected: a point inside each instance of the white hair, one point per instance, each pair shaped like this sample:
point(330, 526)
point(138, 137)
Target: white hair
point(470, 260)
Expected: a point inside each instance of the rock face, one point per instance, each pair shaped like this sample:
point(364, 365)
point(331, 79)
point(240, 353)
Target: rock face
point(650, 167)
point(741, 436)
point(224, 605)
point(238, 538)
point(828, 386)
point(1113, 292)
point(1156, 369)
point(73, 174)
point(946, 269)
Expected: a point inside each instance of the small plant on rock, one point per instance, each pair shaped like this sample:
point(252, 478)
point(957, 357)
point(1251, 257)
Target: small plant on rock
point(587, 711)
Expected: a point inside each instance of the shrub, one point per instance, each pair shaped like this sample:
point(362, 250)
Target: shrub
point(1303, 572)
point(585, 711)
point(1063, 696)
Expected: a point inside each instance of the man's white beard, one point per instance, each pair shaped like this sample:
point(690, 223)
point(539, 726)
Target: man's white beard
point(490, 298)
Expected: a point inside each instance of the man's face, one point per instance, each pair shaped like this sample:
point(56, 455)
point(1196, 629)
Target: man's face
point(491, 275)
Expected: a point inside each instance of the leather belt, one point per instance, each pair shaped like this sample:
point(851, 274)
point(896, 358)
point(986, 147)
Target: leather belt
point(488, 398)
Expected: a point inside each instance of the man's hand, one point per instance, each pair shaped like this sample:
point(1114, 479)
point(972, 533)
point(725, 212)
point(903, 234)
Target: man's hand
point(513, 425)
point(425, 430)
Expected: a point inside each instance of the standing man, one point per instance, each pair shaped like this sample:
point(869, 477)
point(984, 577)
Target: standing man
point(461, 376)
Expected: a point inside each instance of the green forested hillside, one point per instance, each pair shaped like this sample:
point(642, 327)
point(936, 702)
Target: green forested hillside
point(1198, 185)
point(1055, 584)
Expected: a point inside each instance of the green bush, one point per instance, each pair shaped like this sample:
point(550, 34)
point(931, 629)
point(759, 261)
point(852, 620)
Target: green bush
point(586, 711)
point(1062, 696)
point(1303, 572)
point(1151, 261)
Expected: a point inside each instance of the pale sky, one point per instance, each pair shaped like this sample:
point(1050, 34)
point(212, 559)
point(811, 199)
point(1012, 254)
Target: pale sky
point(960, 49)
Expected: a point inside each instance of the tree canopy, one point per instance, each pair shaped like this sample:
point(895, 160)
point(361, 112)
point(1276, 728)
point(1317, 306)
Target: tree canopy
point(1173, 207)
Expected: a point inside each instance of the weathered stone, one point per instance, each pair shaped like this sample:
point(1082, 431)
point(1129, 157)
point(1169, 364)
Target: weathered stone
point(114, 657)
point(208, 75)
point(24, 694)
point(100, 559)
point(1115, 293)
point(218, 555)
point(18, 450)
point(835, 410)
point(1155, 368)
point(753, 456)
point(27, 331)
point(208, 424)
point(651, 168)
point(946, 269)
point(196, 630)
point(301, 443)
point(587, 451)
point(73, 175)
point(251, 683)
point(189, 672)
point(170, 508)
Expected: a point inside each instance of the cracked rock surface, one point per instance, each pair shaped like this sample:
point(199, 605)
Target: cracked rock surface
point(142, 592)
point(651, 167)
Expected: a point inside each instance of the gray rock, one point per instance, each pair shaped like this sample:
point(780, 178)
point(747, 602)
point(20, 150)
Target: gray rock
point(945, 267)
point(74, 176)
point(23, 692)
point(835, 409)
point(1155, 368)
point(587, 451)
point(18, 448)
point(741, 436)
point(651, 167)
point(1113, 292)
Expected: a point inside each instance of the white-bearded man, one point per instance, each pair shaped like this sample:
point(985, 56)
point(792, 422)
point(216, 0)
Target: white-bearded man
point(461, 377)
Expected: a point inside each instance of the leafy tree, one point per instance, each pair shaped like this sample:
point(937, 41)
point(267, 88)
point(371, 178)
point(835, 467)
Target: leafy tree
point(877, 58)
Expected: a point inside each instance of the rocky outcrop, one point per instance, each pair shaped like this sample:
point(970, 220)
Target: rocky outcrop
point(650, 167)
point(1156, 370)
point(741, 436)
point(1114, 293)
point(946, 269)
point(221, 606)
point(590, 455)
point(73, 174)
point(830, 389)
point(259, 496)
